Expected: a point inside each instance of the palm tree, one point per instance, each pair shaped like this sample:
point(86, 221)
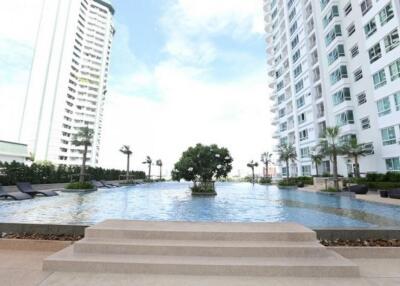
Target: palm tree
point(266, 158)
point(252, 165)
point(126, 150)
point(159, 164)
point(148, 161)
point(287, 152)
point(355, 150)
point(83, 138)
point(330, 147)
point(316, 158)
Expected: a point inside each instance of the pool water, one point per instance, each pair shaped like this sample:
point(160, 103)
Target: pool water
point(171, 201)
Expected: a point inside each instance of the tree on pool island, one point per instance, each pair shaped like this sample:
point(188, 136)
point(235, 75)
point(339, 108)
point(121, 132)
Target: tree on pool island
point(83, 138)
point(203, 165)
point(266, 158)
point(160, 164)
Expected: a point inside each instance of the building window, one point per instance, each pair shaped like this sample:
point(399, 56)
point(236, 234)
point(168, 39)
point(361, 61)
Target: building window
point(303, 135)
point(305, 152)
point(299, 86)
point(334, 12)
point(281, 112)
point(351, 29)
point(365, 5)
point(293, 28)
point(354, 51)
point(370, 28)
point(347, 8)
point(281, 98)
point(386, 14)
point(392, 40)
point(365, 123)
point(296, 56)
point(335, 32)
point(394, 69)
point(301, 118)
point(374, 53)
point(323, 4)
point(300, 102)
point(283, 127)
point(295, 41)
point(284, 171)
point(393, 164)
point(306, 170)
point(345, 118)
point(361, 98)
point(338, 74)
point(383, 106)
point(368, 148)
point(297, 71)
point(292, 14)
point(341, 95)
point(320, 110)
point(347, 138)
point(379, 78)
point(388, 136)
point(337, 52)
point(397, 100)
point(358, 74)
point(279, 86)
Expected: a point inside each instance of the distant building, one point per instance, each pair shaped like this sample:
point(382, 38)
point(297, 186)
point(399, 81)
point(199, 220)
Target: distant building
point(11, 151)
point(336, 63)
point(68, 80)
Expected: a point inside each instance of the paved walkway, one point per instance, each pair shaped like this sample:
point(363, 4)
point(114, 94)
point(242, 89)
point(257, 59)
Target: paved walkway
point(21, 264)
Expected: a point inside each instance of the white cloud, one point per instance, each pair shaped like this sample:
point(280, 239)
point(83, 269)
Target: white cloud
point(191, 107)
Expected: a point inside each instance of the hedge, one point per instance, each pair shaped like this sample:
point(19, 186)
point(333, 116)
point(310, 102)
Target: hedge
point(47, 173)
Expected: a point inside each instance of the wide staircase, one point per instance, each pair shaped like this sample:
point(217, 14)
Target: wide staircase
point(186, 248)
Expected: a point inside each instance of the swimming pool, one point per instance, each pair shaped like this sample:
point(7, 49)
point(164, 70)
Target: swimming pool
point(171, 201)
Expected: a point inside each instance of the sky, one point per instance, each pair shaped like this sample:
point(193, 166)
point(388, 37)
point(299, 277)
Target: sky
point(182, 72)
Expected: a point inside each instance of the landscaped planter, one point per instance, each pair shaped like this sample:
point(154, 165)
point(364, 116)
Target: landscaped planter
point(204, 194)
point(323, 183)
point(78, 190)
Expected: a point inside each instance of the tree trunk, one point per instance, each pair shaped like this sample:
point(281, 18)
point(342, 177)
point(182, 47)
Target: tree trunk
point(356, 167)
point(335, 170)
point(83, 167)
point(127, 166)
point(287, 169)
point(160, 173)
point(266, 169)
point(316, 169)
point(252, 171)
point(149, 171)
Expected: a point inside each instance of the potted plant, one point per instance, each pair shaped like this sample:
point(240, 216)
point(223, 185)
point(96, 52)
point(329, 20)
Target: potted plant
point(202, 165)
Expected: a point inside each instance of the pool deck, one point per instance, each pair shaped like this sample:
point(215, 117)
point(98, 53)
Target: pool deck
point(22, 266)
point(373, 197)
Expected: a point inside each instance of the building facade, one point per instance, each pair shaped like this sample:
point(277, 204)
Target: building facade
point(336, 63)
point(68, 79)
point(12, 151)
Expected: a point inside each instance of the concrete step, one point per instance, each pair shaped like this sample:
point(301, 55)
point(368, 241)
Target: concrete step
point(122, 229)
point(331, 266)
point(202, 248)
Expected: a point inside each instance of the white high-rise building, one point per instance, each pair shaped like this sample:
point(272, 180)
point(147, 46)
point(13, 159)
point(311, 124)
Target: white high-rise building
point(336, 63)
point(68, 81)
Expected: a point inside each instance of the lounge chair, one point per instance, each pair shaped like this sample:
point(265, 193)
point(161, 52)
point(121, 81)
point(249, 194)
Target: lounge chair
point(108, 185)
point(358, 189)
point(27, 189)
point(394, 193)
point(18, 196)
point(99, 185)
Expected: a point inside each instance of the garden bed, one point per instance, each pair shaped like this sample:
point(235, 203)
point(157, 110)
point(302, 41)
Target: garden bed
point(37, 236)
point(364, 243)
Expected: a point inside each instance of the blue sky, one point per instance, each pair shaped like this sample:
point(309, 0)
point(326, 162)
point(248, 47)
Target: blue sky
point(182, 72)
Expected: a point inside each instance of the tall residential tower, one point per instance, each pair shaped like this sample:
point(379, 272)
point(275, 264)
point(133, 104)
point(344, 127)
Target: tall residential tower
point(68, 81)
point(336, 63)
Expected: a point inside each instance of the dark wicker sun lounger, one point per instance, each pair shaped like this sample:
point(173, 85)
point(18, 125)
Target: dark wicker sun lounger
point(27, 189)
point(18, 196)
point(358, 189)
point(98, 184)
point(394, 193)
point(108, 185)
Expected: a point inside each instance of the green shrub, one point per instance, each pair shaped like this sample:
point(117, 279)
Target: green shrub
point(383, 185)
point(265, 180)
point(329, 190)
point(291, 182)
point(79, 186)
point(47, 173)
point(306, 180)
point(203, 188)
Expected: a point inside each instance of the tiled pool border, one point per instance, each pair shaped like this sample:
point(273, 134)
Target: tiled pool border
point(322, 233)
